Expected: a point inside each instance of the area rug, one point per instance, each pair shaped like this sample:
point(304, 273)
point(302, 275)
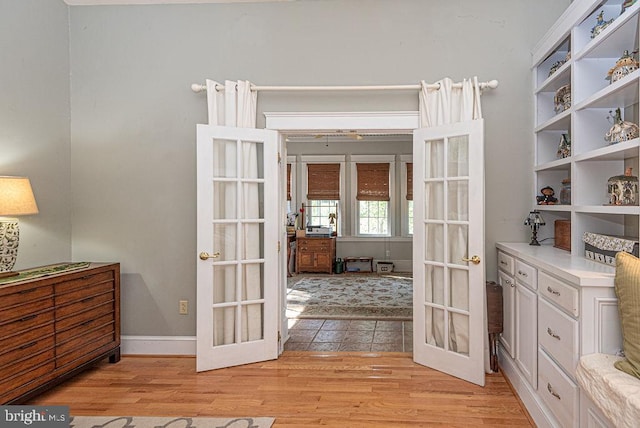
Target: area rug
point(167, 422)
point(351, 296)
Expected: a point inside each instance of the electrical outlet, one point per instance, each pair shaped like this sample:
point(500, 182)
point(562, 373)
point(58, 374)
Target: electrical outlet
point(184, 307)
point(388, 253)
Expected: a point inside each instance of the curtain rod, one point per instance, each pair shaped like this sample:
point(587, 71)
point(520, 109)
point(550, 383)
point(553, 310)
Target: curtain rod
point(492, 84)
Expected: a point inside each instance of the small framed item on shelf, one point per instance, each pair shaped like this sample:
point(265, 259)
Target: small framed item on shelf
point(562, 99)
point(623, 189)
point(562, 232)
point(603, 248)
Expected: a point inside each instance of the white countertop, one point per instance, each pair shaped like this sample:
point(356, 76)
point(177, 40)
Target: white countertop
point(576, 269)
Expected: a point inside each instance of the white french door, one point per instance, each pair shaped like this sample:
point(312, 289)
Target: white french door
point(237, 246)
point(448, 249)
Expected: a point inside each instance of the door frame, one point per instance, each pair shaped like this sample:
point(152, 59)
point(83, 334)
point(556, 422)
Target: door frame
point(391, 122)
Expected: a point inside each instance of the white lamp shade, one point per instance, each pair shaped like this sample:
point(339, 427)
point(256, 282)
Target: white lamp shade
point(16, 197)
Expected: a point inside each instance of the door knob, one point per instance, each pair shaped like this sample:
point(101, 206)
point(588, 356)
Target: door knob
point(475, 260)
point(204, 255)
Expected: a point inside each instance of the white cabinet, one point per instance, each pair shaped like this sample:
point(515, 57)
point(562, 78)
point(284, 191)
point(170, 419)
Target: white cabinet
point(566, 308)
point(592, 161)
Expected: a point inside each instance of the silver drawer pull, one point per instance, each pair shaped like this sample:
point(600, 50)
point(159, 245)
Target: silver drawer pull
point(552, 392)
point(509, 283)
point(502, 262)
point(522, 273)
point(552, 334)
point(552, 291)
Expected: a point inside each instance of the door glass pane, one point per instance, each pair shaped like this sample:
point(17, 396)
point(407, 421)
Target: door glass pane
point(224, 158)
point(252, 322)
point(252, 159)
point(434, 284)
point(458, 243)
point(434, 200)
point(252, 201)
point(224, 241)
point(434, 326)
point(252, 281)
point(459, 289)
point(458, 203)
point(459, 333)
point(434, 242)
point(224, 283)
point(224, 326)
point(253, 234)
point(434, 159)
point(224, 200)
point(458, 156)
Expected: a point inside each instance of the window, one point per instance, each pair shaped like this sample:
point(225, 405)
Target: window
point(373, 182)
point(323, 181)
point(407, 213)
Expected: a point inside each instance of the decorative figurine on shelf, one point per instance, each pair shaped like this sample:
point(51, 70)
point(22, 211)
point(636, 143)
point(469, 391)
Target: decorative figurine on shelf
point(556, 65)
point(621, 130)
point(564, 147)
point(562, 99)
point(547, 197)
point(623, 189)
point(625, 65)
point(626, 4)
point(601, 24)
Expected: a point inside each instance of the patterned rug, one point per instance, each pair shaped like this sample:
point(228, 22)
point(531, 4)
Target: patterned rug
point(351, 296)
point(167, 422)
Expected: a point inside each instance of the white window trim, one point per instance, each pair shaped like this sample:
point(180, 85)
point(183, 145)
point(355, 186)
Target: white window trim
point(304, 180)
point(391, 159)
point(404, 207)
point(294, 173)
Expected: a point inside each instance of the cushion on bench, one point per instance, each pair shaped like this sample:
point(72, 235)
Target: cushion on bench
point(615, 392)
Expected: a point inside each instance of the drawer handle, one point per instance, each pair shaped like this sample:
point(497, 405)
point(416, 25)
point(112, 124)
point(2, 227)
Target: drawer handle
point(502, 262)
point(31, 290)
point(552, 291)
point(87, 299)
point(552, 392)
point(30, 317)
point(552, 334)
point(522, 273)
point(509, 283)
point(28, 345)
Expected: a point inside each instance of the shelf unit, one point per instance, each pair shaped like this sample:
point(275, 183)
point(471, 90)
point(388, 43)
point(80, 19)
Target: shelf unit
point(592, 161)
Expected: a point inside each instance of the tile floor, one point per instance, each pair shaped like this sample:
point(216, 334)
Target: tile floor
point(349, 335)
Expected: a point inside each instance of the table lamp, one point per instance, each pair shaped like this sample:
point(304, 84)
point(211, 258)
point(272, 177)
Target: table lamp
point(16, 198)
point(534, 220)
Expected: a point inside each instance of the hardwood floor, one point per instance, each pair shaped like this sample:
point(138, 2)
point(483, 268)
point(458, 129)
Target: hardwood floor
point(300, 389)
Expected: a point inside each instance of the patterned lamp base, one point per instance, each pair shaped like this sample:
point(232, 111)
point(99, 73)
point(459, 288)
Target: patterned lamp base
point(9, 240)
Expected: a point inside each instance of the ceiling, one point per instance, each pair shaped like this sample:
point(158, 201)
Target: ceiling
point(125, 2)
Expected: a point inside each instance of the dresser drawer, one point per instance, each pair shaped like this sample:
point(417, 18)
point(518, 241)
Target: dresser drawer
point(24, 351)
point(506, 263)
point(559, 293)
point(82, 341)
point(30, 341)
point(80, 355)
point(86, 316)
point(83, 305)
point(21, 294)
point(526, 275)
point(83, 294)
point(12, 374)
point(25, 381)
point(558, 391)
point(26, 322)
point(85, 329)
point(84, 281)
point(558, 335)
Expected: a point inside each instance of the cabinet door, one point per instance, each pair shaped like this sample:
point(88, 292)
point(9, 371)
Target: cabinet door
point(508, 310)
point(306, 260)
point(526, 333)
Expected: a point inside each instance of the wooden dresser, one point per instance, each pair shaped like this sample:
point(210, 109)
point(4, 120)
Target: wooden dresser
point(54, 326)
point(315, 254)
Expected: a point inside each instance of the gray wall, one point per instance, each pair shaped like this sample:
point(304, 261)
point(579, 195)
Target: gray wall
point(34, 121)
point(133, 115)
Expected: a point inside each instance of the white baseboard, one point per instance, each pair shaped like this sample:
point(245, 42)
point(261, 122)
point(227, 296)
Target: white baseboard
point(158, 345)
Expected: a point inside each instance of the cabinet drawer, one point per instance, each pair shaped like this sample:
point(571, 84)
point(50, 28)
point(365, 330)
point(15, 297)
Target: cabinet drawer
point(21, 294)
point(26, 310)
point(13, 373)
point(31, 341)
point(25, 351)
point(83, 282)
point(558, 335)
point(506, 263)
point(83, 294)
point(27, 322)
point(85, 316)
point(558, 391)
point(559, 293)
point(82, 354)
point(82, 342)
point(526, 275)
point(25, 381)
point(83, 305)
point(85, 328)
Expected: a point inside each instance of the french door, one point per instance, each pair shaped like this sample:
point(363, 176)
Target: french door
point(237, 246)
point(448, 249)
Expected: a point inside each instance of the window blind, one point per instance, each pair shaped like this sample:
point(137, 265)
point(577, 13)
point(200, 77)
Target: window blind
point(373, 182)
point(288, 182)
point(409, 181)
point(323, 181)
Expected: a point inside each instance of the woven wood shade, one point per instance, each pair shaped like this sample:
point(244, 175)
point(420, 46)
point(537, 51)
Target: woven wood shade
point(409, 181)
point(288, 182)
point(373, 182)
point(323, 181)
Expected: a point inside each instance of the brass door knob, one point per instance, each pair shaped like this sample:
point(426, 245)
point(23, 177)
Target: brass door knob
point(475, 260)
point(204, 255)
